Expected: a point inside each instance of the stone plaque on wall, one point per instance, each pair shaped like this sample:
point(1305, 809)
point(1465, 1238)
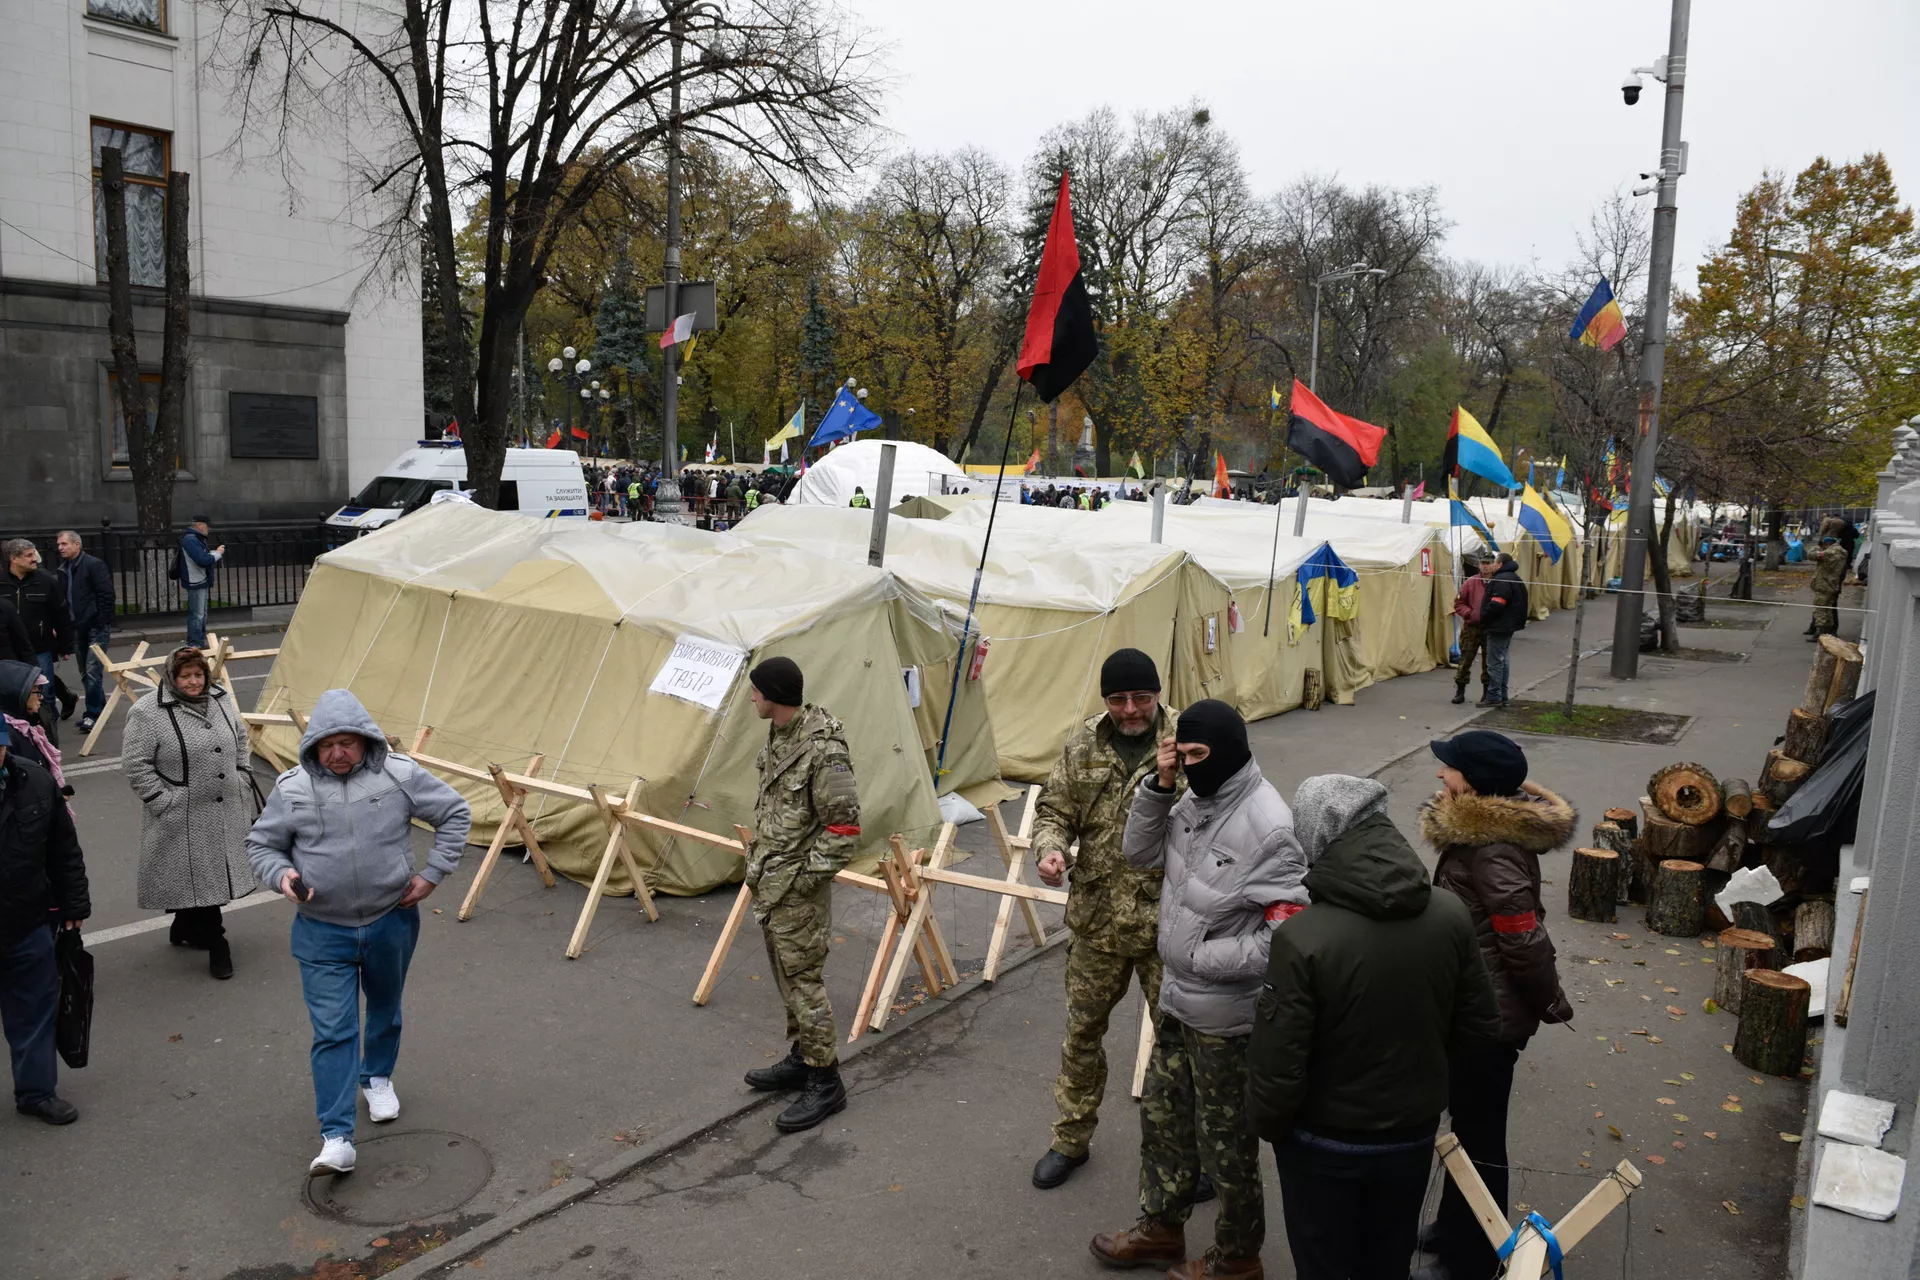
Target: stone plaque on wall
point(272, 426)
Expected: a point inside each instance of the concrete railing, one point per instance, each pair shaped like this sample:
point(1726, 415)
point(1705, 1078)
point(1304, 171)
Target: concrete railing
point(1877, 1054)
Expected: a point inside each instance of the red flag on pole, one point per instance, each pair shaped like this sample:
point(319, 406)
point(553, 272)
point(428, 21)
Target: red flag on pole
point(1059, 343)
point(553, 441)
point(1222, 486)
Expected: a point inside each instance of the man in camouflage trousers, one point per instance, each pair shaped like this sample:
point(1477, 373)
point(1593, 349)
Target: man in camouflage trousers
point(806, 827)
point(1829, 573)
point(1112, 907)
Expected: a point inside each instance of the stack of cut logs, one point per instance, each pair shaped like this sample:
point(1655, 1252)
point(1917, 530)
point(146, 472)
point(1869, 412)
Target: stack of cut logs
point(1692, 831)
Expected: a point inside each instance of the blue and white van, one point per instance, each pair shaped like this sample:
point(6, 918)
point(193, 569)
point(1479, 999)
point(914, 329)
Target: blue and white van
point(535, 482)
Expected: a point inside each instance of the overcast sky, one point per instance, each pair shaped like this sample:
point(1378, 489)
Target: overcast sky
point(1512, 108)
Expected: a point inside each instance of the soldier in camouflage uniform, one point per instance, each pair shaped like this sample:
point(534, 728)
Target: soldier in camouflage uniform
point(1112, 907)
point(1830, 571)
point(806, 827)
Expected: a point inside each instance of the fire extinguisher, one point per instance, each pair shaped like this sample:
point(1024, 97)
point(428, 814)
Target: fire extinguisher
point(979, 658)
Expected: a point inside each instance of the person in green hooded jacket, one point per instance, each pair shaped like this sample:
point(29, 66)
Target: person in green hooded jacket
point(1368, 989)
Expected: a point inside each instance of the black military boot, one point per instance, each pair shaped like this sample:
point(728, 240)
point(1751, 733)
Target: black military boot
point(823, 1096)
point(788, 1073)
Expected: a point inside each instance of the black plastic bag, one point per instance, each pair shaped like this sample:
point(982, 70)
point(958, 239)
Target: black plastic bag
point(1828, 802)
point(73, 1020)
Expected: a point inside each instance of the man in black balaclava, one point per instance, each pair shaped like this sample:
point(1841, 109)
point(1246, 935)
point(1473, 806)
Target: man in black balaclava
point(1233, 871)
point(1112, 907)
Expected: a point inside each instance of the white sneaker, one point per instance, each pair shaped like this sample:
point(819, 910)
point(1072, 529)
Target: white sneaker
point(336, 1156)
point(383, 1104)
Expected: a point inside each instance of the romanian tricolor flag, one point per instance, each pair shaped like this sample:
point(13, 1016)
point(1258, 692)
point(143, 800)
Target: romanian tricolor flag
point(1600, 323)
point(1470, 448)
point(1342, 447)
point(1549, 528)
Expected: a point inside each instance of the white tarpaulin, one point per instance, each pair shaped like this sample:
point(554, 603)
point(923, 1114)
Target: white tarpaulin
point(917, 470)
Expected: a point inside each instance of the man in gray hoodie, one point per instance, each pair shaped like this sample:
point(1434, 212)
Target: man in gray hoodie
point(1233, 872)
point(336, 839)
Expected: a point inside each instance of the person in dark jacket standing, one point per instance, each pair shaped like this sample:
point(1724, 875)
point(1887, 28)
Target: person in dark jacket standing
point(43, 886)
point(1368, 991)
point(1490, 826)
point(1503, 611)
point(89, 590)
point(1466, 607)
point(197, 563)
point(42, 603)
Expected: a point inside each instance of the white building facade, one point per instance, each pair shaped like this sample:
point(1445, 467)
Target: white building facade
point(305, 374)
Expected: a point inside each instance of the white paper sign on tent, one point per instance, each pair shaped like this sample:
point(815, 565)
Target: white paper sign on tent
point(698, 671)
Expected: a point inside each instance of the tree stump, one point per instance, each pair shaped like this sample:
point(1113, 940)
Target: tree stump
point(1626, 819)
point(1784, 779)
point(1736, 798)
point(1312, 690)
point(1806, 736)
point(1610, 835)
point(1593, 884)
point(1740, 950)
point(1813, 930)
point(1685, 793)
point(1664, 838)
point(1787, 865)
point(1728, 849)
point(1846, 674)
point(1675, 907)
point(1758, 818)
point(1773, 1023)
point(1826, 657)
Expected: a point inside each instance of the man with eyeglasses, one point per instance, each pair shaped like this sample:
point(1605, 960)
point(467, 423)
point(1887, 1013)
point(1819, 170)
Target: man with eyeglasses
point(1113, 908)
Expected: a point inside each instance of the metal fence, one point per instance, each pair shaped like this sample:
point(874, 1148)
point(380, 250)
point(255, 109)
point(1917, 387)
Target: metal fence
point(264, 564)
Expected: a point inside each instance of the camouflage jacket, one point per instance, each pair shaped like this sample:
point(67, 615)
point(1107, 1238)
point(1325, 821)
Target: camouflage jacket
point(1830, 570)
point(807, 815)
point(1111, 904)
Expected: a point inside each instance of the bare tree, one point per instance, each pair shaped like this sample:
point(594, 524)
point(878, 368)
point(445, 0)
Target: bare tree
point(527, 110)
point(153, 451)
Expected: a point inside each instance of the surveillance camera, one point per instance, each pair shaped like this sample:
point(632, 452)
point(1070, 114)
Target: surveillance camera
point(1630, 89)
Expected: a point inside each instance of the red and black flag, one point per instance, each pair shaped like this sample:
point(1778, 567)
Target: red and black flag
point(1059, 342)
point(1342, 447)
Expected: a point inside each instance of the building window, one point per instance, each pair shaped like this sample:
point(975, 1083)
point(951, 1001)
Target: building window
point(141, 13)
point(117, 420)
point(143, 155)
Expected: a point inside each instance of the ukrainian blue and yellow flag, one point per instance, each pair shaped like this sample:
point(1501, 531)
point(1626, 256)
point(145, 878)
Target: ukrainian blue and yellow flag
point(1328, 588)
point(1549, 528)
point(1470, 448)
point(1273, 397)
point(1600, 323)
point(1459, 513)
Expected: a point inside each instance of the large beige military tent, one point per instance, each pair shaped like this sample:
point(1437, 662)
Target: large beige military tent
point(621, 651)
point(1270, 660)
point(1051, 610)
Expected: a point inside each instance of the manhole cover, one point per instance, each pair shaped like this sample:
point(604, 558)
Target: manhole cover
point(403, 1177)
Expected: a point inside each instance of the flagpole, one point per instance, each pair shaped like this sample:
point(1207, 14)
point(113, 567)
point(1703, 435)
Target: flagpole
point(966, 627)
point(1273, 562)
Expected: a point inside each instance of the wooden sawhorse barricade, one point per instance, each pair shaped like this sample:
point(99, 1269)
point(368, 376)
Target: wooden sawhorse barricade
point(133, 677)
point(1534, 1246)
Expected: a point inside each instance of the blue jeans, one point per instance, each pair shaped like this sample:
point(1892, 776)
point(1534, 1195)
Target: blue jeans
point(29, 995)
point(93, 675)
point(197, 615)
point(337, 965)
point(1497, 645)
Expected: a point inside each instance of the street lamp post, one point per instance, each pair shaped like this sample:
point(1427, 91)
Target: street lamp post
point(572, 377)
point(1625, 663)
point(1313, 363)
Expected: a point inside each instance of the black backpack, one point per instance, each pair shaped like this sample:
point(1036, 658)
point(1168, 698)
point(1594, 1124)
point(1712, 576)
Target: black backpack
point(177, 567)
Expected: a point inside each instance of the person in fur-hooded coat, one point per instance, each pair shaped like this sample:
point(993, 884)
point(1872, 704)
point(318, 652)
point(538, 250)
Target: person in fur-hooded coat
point(1490, 826)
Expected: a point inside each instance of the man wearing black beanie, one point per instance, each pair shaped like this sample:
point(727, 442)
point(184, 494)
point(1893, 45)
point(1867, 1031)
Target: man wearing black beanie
point(1233, 870)
point(806, 828)
point(1112, 907)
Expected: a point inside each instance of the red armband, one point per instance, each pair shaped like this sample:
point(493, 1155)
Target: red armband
point(843, 829)
point(1278, 911)
point(1525, 922)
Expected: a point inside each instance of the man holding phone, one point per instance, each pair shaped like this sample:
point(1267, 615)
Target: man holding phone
point(336, 839)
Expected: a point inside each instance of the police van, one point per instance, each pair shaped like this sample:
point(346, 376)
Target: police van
point(535, 482)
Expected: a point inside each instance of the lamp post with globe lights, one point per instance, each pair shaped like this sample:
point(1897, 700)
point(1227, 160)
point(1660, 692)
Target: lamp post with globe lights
point(573, 378)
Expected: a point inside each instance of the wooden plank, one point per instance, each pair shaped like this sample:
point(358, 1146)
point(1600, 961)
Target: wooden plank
point(600, 876)
point(420, 739)
point(936, 936)
point(1144, 1054)
point(911, 932)
point(1608, 1195)
point(881, 957)
point(683, 832)
point(728, 932)
point(1029, 892)
point(122, 688)
point(614, 812)
point(480, 877)
point(1486, 1211)
point(1004, 841)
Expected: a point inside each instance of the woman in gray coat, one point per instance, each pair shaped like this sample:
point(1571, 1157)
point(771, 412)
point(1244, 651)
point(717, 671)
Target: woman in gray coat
point(185, 755)
point(1233, 872)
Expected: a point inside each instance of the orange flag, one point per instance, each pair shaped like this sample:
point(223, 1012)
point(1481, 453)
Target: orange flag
point(1222, 487)
point(1034, 461)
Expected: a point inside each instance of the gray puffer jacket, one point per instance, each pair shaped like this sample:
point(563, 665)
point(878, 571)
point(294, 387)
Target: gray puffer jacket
point(351, 838)
point(1231, 862)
